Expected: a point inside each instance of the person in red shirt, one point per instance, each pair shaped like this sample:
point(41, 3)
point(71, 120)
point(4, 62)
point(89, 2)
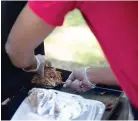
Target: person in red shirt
point(115, 25)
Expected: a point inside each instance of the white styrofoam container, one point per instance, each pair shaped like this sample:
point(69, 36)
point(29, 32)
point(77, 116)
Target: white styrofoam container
point(94, 112)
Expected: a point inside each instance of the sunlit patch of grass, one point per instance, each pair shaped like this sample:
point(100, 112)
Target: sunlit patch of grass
point(74, 18)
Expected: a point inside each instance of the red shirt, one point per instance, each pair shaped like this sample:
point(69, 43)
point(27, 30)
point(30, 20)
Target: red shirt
point(115, 25)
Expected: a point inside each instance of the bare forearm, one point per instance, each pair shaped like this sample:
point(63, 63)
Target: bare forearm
point(27, 33)
point(101, 75)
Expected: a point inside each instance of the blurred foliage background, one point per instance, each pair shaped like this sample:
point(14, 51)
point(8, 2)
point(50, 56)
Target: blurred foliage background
point(73, 45)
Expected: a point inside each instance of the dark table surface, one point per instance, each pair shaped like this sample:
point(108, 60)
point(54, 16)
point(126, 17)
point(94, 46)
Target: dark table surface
point(122, 110)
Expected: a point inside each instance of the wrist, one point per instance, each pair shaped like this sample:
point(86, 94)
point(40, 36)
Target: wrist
point(92, 76)
point(34, 65)
point(92, 85)
point(101, 75)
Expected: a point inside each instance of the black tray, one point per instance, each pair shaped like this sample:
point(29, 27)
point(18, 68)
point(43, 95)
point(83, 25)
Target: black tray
point(48, 86)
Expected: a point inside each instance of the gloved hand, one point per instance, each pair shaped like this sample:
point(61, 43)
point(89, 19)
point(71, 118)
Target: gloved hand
point(78, 81)
point(41, 61)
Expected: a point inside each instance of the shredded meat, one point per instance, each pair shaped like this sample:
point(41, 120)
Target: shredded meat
point(52, 77)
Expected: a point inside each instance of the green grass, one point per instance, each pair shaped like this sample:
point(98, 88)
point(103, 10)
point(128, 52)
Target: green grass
point(89, 59)
point(88, 53)
point(74, 18)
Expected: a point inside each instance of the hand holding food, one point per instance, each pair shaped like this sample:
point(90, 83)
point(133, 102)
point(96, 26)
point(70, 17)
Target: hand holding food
point(42, 61)
point(39, 63)
point(83, 79)
point(79, 81)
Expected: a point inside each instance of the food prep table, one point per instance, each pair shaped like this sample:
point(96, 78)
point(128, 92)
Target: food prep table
point(119, 111)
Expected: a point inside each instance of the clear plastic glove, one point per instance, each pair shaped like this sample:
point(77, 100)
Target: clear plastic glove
point(78, 81)
point(41, 62)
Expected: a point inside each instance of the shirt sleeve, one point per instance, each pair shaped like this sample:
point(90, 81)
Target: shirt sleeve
point(52, 12)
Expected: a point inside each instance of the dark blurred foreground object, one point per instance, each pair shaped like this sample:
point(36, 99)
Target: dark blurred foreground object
point(12, 78)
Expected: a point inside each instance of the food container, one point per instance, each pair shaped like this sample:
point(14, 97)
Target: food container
point(81, 108)
point(52, 78)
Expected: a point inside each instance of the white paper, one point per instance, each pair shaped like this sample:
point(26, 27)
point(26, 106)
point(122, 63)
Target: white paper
point(50, 104)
